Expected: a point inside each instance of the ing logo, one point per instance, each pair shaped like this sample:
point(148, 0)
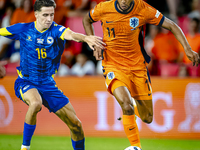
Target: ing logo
point(6, 107)
point(192, 107)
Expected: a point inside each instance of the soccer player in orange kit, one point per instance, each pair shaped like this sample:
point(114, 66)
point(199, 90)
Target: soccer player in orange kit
point(124, 59)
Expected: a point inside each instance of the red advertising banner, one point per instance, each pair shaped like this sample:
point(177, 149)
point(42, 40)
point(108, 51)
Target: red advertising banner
point(176, 109)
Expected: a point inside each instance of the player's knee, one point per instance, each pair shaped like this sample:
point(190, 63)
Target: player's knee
point(76, 127)
point(127, 109)
point(36, 106)
point(147, 118)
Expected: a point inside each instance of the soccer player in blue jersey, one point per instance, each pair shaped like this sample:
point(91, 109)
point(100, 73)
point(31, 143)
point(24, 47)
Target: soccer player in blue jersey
point(41, 46)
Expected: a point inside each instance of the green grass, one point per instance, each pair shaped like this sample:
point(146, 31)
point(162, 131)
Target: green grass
point(13, 142)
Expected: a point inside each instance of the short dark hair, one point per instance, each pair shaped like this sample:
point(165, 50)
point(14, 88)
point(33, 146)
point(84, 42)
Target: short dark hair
point(43, 3)
point(196, 20)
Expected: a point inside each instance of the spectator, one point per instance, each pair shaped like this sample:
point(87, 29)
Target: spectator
point(166, 53)
point(67, 59)
point(77, 4)
point(195, 13)
point(193, 38)
point(83, 66)
point(60, 12)
point(93, 3)
point(165, 47)
point(5, 43)
point(23, 14)
point(149, 44)
point(173, 9)
point(99, 69)
point(2, 4)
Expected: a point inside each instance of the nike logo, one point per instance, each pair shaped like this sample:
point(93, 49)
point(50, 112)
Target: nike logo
point(132, 128)
point(149, 94)
point(109, 21)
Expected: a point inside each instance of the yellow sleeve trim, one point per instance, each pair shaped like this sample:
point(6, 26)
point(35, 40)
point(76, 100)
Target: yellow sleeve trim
point(63, 34)
point(19, 73)
point(21, 93)
point(4, 32)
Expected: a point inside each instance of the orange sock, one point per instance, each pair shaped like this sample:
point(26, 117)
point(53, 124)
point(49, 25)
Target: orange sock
point(131, 130)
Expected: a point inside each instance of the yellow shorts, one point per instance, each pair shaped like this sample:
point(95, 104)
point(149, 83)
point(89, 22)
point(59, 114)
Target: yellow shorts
point(137, 82)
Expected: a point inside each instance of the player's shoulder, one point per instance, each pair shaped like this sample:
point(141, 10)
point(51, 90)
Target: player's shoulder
point(106, 4)
point(57, 27)
point(141, 6)
point(19, 27)
point(23, 25)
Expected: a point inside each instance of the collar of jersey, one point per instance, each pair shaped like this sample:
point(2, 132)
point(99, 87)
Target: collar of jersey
point(38, 29)
point(116, 2)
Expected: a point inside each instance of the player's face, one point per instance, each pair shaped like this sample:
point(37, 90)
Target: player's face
point(44, 17)
point(124, 4)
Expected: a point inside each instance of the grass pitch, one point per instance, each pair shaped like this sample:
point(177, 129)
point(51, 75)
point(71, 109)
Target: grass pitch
point(13, 142)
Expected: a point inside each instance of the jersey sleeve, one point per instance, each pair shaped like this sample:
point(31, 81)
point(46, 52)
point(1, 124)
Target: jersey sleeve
point(13, 32)
point(96, 12)
point(60, 31)
point(153, 16)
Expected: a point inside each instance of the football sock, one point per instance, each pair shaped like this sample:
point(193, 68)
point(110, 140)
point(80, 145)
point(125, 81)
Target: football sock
point(28, 133)
point(78, 145)
point(131, 130)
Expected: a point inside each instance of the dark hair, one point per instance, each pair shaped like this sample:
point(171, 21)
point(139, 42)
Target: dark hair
point(196, 20)
point(31, 5)
point(43, 3)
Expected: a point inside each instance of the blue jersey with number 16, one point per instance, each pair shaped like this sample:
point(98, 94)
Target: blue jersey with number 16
point(40, 51)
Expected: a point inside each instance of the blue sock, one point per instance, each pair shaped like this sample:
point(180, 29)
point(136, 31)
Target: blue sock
point(28, 133)
point(78, 145)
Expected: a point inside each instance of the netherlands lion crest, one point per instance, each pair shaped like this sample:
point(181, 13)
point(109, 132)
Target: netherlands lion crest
point(134, 22)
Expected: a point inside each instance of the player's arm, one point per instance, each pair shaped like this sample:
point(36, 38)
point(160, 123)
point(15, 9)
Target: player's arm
point(4, 32)
point(89, 29)
point(176, 30)
point(91, 40)
point(2, 69)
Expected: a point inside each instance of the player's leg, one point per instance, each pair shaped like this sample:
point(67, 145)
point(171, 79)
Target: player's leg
point(142, 90)
point(68, 115)
point(33, 99)
point(145, 109)
point(123, 97)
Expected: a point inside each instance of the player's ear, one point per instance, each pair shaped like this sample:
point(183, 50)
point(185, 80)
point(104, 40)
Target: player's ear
point(36, 14)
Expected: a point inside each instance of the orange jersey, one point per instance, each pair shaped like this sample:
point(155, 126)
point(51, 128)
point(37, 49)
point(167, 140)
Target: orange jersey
point(194, 42)
point(166, 47)
point(19, 16)
point(121, 32)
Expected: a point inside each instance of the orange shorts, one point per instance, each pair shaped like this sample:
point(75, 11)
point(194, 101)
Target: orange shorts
point(137, 82)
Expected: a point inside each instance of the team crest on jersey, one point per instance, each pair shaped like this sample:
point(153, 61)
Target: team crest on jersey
point(50, 40)
point(111, 75)
point(134, 22)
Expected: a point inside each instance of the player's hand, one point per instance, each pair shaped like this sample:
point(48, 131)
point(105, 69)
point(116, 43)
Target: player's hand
point(2, 71)
point(97, 53)
point(193, 56)
point(2, 68)
point(94, 41)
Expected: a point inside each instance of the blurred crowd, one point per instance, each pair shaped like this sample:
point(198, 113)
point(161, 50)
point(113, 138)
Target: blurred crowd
point(168, 57)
